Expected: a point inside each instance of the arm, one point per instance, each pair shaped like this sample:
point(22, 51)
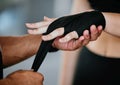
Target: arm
point(112, 19)
point(18, 48)
point(112, 23)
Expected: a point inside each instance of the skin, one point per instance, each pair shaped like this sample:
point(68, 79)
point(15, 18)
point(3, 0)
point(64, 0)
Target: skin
point(64, 42)
point(16, 78)
point(16, 49)
point(107, 44)
point(69, 63)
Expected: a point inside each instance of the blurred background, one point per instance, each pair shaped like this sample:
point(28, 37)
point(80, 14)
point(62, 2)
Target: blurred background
point(13, 16)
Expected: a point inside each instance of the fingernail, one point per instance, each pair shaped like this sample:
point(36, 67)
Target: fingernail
point(94, 30)
point(100, 28)
point(82, 38)
point(87, 33)
point(60, 40)
point(45, 17)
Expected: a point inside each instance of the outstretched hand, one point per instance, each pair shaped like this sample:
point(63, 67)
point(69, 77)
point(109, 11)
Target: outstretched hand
point(71, 41)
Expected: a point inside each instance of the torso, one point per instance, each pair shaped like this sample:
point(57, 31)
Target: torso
point(106, 45)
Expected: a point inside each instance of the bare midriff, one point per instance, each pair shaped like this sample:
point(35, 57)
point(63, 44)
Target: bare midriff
point(106, 45)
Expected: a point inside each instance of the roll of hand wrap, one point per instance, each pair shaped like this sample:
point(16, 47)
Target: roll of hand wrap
point(78, 23)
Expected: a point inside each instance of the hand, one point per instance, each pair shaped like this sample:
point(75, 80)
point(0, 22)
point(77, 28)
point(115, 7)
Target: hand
point(67, 42)
point(25, 77)
point(70, 43)
point(39, 27)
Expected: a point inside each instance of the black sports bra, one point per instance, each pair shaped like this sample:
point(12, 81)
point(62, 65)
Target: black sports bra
point(106, 5)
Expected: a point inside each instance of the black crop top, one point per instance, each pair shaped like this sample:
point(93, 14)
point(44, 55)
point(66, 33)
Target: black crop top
point(106, 5)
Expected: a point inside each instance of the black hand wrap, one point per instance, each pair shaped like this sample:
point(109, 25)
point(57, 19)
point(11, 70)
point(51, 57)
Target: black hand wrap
point(78, 23)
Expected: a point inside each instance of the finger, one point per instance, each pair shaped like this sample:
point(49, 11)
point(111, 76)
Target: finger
point(86, 37)
point(70, 45)
point(54, 34)
point(49, 19)
point(38, 30)
point(37, 25)
point(70, 36)
point(78, 43)
point(100, 28)
point(46, 18)
point(86, 34)
point(94, 32)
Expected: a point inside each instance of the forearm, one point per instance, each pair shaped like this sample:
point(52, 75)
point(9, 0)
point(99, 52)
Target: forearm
point(112, 23)
point(18, 48)
point(112, 19)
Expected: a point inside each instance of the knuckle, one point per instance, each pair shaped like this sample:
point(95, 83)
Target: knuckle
point(85, 43)
point(40, 76)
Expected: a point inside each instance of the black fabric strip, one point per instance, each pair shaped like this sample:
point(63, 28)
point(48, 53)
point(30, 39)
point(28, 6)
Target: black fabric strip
point(40, 56)
point(78, 23)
